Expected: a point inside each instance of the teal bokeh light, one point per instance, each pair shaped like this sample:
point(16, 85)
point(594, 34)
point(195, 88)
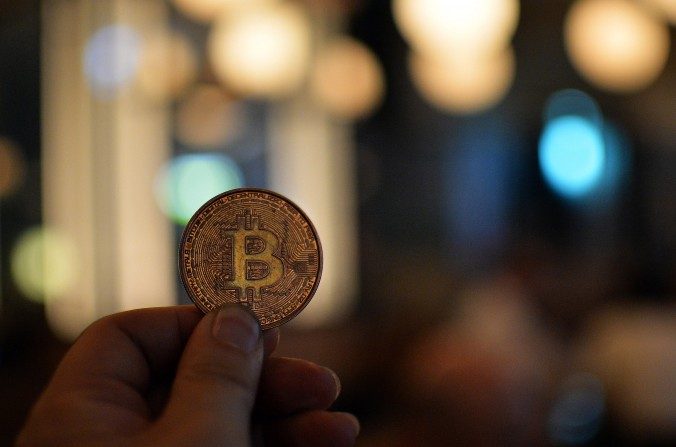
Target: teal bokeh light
point(188, 181)
point(572, 155)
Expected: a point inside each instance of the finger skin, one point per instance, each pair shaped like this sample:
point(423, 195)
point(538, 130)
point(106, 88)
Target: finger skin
point(134, 344)
point(270, 340)
point(100, 393)
point(312, 429)
point(109, 371)
point(105, 375)
point(289, 386)
point(216, 381)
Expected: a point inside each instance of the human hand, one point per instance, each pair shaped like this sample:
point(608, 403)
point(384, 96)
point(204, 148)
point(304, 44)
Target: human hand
point(170, 377)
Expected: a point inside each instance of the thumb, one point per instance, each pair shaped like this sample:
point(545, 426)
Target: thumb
point(216, 381)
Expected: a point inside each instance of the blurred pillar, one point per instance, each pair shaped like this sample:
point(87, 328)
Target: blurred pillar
point(311, 160)
point(100, 157)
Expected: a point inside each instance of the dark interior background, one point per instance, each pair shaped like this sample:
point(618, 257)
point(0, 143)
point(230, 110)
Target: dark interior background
point(575, 270)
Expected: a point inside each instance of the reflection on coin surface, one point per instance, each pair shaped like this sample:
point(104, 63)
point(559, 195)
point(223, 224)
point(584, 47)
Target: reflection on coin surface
point(255, 248)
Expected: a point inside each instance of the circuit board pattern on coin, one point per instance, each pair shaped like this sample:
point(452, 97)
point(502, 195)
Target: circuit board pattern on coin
point(252, 247)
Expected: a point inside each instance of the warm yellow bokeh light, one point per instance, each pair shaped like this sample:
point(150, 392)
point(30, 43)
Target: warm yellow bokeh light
point(464, 85)
point(616, 44)
point(43, 263)
point(208, 10)
point(347, 79)
point(458, 26)
point(262, 52)
point(12, 167)
point(207, 118)
point(168, 65)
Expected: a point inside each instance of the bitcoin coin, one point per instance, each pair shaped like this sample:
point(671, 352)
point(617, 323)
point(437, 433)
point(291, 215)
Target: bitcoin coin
point(251, 247)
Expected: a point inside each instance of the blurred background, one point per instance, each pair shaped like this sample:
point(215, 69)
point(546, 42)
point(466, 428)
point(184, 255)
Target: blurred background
point(493, 181)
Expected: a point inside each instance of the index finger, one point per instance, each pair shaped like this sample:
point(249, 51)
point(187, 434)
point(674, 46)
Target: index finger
point(131, 347)
point(128, 347)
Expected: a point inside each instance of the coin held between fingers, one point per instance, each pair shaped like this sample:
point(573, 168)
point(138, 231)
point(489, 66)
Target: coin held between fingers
point(251, 247)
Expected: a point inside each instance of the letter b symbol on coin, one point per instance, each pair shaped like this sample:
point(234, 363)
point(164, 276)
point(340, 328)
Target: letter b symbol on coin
point(256, 267)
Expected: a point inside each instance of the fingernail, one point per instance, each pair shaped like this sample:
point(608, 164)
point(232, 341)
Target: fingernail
point(353, 421)
point(336, 381)
point(236, 327)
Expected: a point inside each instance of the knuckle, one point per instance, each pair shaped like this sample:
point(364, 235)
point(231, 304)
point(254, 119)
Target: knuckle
point(102, 325)
point(112, 322)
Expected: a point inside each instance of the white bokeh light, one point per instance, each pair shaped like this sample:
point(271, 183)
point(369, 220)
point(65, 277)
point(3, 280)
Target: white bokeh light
point(262, 52)
point(168, 65)
point(347, 79)
point(208, 10)
point(457, 26)
point(465, 85)
point(616, 44)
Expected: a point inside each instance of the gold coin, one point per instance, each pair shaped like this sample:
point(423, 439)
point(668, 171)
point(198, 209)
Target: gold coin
point(251, 247)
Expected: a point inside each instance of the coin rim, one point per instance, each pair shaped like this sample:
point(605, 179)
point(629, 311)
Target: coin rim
point(320, 263)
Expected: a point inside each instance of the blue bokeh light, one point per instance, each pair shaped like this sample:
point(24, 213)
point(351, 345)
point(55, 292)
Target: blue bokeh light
point(111, 58)
point(617, 162)
point(569, 102)
point(188, 181)
point(480, 176)
point(572, 155)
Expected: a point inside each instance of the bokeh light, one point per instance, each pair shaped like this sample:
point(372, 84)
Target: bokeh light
point(168, 65)
point(617, 162)
point(572, 102)
point(207, 118)
point(188, 181)
point(208, 10)
point(44, 263)
point(616, 148)
point(572, 155)
point(465, 85)
point(457, 26)
point(666, 8)
point(12, 167)
point(347, 79)
point(262, 52)
point(111, 59)
point(577, 414)
point(616, 44)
